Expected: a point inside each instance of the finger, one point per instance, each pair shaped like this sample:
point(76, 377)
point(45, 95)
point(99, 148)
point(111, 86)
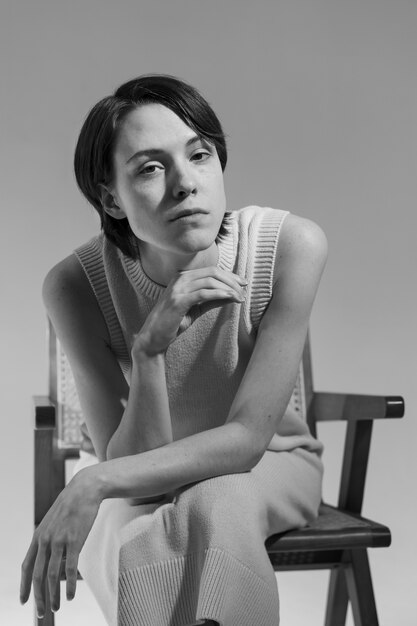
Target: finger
point(215, 272)
point(214, 283)
point(71, 570)
point(205, 295)
point(229, 278)
point(27, 571)
point(186, 295)
point(39, 576)
point(54, 577)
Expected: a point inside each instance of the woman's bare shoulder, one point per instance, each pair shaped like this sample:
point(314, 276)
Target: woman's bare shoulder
point(66, 281)
point(301, 240)
point(69, 299)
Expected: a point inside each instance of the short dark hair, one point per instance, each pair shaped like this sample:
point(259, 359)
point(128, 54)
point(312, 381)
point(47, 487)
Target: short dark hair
point(93, 160)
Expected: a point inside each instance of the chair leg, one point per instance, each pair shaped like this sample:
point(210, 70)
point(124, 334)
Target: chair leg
point(337, 598)
point(361, 593)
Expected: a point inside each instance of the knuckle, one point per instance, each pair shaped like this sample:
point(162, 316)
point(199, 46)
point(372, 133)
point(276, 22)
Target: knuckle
point(44, 540)
point(73, 546)
point(58, 542)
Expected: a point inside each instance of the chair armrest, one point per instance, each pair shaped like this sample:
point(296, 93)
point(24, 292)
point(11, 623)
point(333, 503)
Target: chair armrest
point(45, 412)
point(358, 411)
point(352, 407)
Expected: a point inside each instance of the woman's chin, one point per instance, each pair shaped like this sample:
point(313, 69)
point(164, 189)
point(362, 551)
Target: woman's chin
point(195, 240)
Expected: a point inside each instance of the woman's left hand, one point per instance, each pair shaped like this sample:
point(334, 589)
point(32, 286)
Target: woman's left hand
point(61, 533)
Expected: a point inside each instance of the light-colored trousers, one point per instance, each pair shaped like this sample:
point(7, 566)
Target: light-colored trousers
point(200, 554)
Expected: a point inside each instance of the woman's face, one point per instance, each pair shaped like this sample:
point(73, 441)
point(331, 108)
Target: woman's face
point(163, 170)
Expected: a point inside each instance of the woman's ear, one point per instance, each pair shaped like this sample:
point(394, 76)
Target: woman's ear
point(109, 203)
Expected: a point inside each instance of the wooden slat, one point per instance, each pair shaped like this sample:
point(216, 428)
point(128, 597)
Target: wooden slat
point(361, 593)
point(296, 561)
point(43, 464)
point(45, 412)
point(353, 407)
point(308, 386)
point(337, 598)
point(308, 373)
point(355, 465)
point(53, 363)
point(332, 530)
point(49, 467)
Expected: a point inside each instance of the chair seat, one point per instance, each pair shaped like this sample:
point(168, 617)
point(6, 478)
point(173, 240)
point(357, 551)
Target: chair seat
point(333, 531)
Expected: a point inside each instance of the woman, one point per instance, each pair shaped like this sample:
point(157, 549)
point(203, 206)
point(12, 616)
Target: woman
point(184, 325)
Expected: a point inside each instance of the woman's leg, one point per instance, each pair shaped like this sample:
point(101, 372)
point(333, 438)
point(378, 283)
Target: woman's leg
point(204, 552)
point(99, 558)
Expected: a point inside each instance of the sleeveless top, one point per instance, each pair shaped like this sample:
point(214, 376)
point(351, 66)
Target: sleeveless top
point(206, 362)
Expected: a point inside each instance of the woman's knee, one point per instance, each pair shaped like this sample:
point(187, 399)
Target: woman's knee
point(229, 499)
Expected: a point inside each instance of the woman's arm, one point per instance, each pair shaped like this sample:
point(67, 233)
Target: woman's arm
point(147, 415)
point(104, 395)
point(264, 392)
point(146, 421)
point(270, 377)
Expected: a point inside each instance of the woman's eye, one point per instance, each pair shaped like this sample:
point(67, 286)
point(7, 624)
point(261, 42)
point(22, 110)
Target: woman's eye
point(200, 156)
point(149, 169)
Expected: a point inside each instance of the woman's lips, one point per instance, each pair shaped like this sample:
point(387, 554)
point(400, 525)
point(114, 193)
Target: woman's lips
point(188, 215)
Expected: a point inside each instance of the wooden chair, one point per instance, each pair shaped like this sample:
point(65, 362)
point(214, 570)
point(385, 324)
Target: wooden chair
point(338, 540)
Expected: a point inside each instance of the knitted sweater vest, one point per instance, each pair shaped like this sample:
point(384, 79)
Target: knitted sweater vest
point(206, 362)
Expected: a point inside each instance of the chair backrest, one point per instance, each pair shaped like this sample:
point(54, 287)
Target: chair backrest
point(63, 393)
point(69, 417)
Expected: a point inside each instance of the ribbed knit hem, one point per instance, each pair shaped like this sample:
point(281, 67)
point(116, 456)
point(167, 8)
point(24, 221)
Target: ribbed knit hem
point(211, 585)
point(258, 234)
point(90, 256)
point(264, 239)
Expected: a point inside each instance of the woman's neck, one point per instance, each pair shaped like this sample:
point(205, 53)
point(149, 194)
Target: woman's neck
point(162, 268)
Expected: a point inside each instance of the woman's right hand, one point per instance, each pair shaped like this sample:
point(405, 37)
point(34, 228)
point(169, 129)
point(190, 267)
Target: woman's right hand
point(190, 288)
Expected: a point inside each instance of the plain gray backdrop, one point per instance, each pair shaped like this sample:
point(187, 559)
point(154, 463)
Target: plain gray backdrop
point(318, 99)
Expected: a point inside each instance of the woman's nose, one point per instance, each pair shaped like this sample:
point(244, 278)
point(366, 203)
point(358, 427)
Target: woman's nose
point(184, 184)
